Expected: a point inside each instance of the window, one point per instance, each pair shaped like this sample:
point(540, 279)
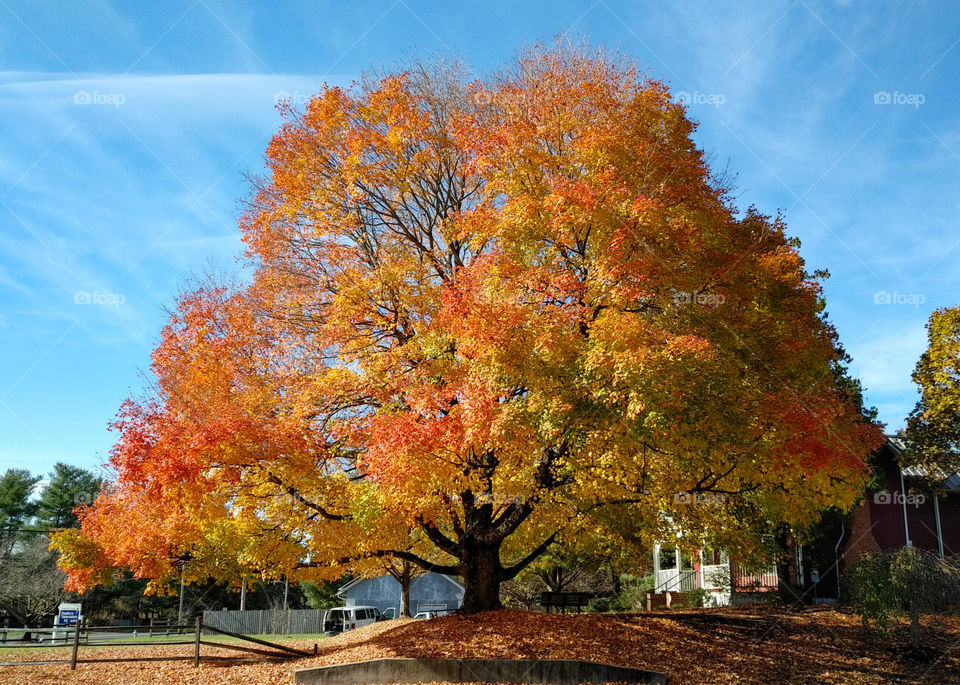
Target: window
point(714, 557)
point(668, 559)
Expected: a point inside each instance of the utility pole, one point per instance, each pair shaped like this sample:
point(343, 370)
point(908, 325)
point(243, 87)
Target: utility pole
point(286, 589)
point(182, 592)
point(243, 594)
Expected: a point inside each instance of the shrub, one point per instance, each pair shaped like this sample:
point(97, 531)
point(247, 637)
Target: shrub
point(698, 597)
point(909, 580)
point(600, 605)
point(721, 580)
point(632, 595)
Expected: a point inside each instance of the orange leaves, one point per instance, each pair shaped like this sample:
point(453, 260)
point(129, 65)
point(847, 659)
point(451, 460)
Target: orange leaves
point(752, 644)
point(446, 425)
point(525, 289)
point(688, 346)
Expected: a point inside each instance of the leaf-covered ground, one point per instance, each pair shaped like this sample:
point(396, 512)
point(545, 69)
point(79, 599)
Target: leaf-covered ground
point(744, 645)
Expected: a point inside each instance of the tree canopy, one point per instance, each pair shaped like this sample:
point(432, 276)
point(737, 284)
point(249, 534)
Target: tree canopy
point(16, 485)
point(68, 487)
point(31, 585)
point(485, 315)
point(933, 428)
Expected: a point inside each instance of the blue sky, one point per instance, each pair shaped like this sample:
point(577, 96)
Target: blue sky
point(126, 130)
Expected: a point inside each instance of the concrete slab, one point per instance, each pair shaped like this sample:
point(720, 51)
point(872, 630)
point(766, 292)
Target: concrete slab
point(559, 672)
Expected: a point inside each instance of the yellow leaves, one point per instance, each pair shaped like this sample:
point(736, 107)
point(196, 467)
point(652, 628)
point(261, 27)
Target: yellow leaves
point(933, 428)
point(688, 346)
point(446, 289)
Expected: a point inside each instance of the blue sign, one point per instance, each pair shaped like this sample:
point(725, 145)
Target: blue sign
point(68, 616)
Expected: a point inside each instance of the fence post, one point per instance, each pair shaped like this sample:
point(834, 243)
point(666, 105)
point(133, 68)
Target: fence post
point(196, 649)
point(76, 645)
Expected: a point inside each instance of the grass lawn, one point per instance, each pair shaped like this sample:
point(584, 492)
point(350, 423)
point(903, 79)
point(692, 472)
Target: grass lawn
point(729, 645)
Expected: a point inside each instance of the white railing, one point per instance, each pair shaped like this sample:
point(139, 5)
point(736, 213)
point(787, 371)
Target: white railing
point(675, 580)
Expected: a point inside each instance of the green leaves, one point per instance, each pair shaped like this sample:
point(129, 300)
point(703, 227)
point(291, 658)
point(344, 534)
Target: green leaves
point(933, 429)
point(69, 487)
point(16, 508)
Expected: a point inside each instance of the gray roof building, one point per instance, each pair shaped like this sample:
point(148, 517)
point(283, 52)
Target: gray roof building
point(429, 592)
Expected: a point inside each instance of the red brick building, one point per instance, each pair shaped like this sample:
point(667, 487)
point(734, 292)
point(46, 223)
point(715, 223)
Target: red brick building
point(904, 507)
point(909, 507)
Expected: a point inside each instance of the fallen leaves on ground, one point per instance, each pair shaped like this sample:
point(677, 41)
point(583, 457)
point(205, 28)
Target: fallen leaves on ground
point(731, 645)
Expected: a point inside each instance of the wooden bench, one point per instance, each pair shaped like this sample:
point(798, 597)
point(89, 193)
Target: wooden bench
point(562, 600)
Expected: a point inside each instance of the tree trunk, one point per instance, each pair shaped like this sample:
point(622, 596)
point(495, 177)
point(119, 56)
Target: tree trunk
point(405, 580)
point(479, 537)
point(553, 579)
point(915, 624)
point(482, 573)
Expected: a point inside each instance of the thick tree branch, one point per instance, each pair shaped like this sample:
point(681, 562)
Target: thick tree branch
point(511, 572)
point(448, 570)
point(510, 519)
point(295, 494)
point(439, 539)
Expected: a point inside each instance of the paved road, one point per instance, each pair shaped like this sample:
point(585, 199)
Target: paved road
point(94, 636)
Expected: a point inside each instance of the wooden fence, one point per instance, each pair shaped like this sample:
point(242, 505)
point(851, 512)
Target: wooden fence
point(79, 635)
point(267, 622)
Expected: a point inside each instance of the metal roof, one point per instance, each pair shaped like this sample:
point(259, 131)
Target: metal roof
point(899, 444)
point(949, 481)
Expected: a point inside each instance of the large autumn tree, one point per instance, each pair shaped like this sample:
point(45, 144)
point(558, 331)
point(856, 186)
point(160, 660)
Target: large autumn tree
point(484, 316)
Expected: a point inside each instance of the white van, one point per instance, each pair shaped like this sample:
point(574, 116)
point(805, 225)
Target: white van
point(348, 618)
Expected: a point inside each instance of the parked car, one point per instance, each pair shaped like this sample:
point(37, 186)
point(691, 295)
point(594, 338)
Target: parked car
point(347, 618)
point(426, 614)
